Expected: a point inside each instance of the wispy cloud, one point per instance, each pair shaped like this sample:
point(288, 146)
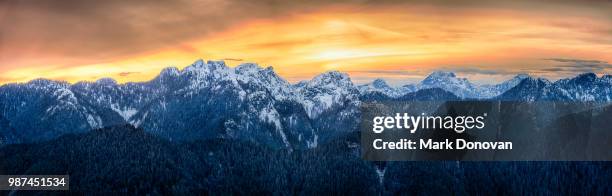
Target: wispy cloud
point(578, 65)
point(580, 61)
point(232, 59)
point(388, 72)
point(483, 71)
point(124, 74)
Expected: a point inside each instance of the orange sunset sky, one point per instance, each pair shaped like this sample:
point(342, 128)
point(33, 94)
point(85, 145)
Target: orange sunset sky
point(401, 41)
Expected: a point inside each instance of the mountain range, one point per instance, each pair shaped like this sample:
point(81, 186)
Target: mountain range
point(247, 102)
point(447, 81)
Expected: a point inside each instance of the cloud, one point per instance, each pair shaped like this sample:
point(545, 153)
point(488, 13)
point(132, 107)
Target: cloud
point(553, 69)
point(124, 74)
point(127, 35)
point(93, 30)
point(581, 61)
point(232, 59)
point(569, 67)
point(578, 65)
point(483, 71)
point(388, 72)
point(112, 29)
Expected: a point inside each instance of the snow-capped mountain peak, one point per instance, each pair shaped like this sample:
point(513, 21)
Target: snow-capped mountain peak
point(46, 83)
point(198, 63)
point(449, 82)
point(332, 78)
point(380, 83)
point(169, 71)
point(248, 68)
point(213, 65)
point(210, 99)
point(583, 87)
point(208, 67)
point(381, 86)
point(438, 76)
point(489, 91)
point(106, 81)
point(266, 78)
point(512, 81)
point(326, 91)
point(444, 77)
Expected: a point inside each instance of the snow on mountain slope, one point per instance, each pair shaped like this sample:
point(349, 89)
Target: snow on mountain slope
point(124, 100)
point(380, 85)
point(240, 102)
point(44, 109)
point(447, 81)
point(489, 91)
point(529, 90)
point(330, 97)
point(327, 90)
point(63, 100)
point(202, 75)
point(584, 87)
point(462, 87)
point(450, 82)
point(211, 100)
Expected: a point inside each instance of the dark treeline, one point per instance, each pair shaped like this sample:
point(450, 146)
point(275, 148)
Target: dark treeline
point(128, 160)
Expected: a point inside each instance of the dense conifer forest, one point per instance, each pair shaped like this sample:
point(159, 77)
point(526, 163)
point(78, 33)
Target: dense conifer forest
point(129, 160)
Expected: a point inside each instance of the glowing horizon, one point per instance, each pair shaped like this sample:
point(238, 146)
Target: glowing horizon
point(397, 43)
